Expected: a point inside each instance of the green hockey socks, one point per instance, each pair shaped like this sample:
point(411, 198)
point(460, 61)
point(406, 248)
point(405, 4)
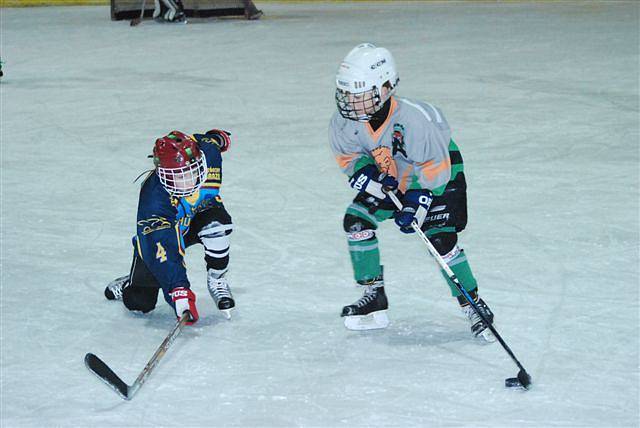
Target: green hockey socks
point(365, 259)
point(460, 267)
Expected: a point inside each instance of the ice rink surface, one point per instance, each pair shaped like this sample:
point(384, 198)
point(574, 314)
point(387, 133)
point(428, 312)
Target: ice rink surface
point(543, 102)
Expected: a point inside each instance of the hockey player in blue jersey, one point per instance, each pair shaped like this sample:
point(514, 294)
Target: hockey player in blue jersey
point(179, 206)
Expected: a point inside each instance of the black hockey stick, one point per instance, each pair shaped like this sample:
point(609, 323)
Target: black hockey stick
point(136, 21)
point(522, 379)
point(108, 376)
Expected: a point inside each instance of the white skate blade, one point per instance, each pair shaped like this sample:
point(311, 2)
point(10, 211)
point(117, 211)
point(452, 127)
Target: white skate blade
point(226, 313)
point(372, 321)
point(487, 336)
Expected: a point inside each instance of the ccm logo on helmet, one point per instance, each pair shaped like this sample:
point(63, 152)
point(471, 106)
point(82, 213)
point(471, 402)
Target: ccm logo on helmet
point(378, 64)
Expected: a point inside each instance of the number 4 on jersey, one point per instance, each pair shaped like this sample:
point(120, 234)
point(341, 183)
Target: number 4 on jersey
point(161, 254)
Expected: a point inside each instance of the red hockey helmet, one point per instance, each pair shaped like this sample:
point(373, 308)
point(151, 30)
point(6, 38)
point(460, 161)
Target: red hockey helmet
point(180, 164)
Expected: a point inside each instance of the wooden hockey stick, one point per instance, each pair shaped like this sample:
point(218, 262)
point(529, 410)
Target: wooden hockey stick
point(108, 376)
point(136, 21)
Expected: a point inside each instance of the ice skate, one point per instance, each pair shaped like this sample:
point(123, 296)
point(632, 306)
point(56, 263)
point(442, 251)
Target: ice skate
point(370, 311)
point(113, 291)
point(221, 293)
point(478, 327)
point(179, 19)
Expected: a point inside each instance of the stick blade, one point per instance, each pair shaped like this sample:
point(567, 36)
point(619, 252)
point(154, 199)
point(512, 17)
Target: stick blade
point(522, 381)
point(135, 21)
point(105, 374)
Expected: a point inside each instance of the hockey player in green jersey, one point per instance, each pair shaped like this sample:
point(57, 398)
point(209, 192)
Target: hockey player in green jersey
point(383, 142)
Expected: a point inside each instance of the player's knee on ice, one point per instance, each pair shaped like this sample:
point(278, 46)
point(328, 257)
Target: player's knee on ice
point(142, 292)
point(141, 299)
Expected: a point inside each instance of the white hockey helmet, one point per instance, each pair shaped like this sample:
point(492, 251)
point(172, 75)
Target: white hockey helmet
point(360, 79)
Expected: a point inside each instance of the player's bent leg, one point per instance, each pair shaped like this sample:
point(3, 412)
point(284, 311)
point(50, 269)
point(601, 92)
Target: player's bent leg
point(157, 9)
point(454, 256)
point(141, 299)
point(142, 292)
point(446, 243)
point(169, 11)
point(368, 312)
point(214, 236)
point(363, 244)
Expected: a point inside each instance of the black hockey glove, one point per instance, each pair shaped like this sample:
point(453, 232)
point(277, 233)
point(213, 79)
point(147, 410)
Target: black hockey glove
point(218, 137)
point(369, 179)
point(415, 206)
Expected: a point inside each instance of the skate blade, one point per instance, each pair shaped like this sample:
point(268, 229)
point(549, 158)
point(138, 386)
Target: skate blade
point(372, 321)
point(226, 313)
point(163, 21)
point(487, 336)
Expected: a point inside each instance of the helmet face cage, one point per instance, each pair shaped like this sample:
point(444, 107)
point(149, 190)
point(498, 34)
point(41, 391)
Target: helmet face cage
point(185, 180)
point(358, 106)
point(365, 80)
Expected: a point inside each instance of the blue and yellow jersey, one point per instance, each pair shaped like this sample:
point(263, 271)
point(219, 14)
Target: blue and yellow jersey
point(163, 220)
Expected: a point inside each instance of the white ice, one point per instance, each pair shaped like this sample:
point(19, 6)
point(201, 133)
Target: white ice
point(543, 101)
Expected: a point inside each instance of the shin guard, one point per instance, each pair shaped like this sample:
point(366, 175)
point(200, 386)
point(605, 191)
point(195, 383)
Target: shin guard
point(457, 261)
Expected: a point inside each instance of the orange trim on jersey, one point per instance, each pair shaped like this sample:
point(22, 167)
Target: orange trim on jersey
point(376, 134)
point(431, 170)
point(345, 160)
point(404, 181)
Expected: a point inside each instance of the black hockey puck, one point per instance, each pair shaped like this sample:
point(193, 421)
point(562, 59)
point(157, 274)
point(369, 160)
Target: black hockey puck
point(512, 382)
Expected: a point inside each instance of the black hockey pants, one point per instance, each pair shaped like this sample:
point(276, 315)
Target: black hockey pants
point(142, 292)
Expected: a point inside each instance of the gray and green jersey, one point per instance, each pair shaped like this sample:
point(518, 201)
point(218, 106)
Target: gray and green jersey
point(413, 145)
